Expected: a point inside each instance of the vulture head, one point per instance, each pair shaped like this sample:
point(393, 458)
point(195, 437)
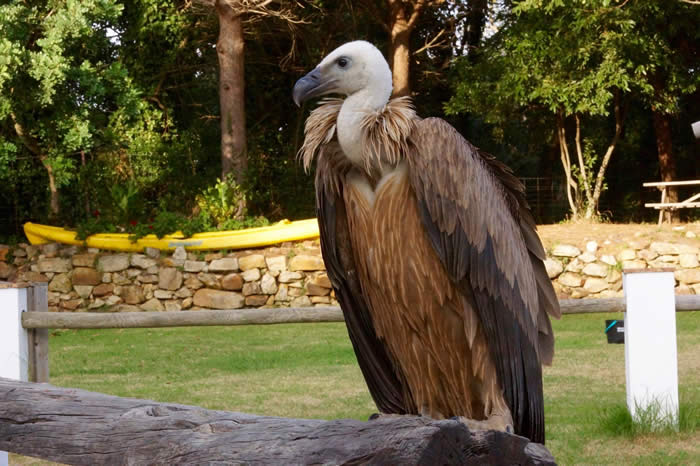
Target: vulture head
point(355, 69)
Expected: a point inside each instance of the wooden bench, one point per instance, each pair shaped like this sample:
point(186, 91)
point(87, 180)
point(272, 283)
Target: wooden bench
point(662, 186)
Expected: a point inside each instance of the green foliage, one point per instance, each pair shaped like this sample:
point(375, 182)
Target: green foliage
point(276, 182)
point(240, 224)
point(563, 57)
point(556, 59)
point(126, 202)
point(163, 224)
point(8, 155)
point(166, 223)
point(107, 93)
point(223, 200)
point(67, 103)
point(126, 212)
point(94, 225)
point(569, 56)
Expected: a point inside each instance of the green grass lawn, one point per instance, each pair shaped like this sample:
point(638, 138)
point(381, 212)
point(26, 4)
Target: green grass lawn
point(309, 370)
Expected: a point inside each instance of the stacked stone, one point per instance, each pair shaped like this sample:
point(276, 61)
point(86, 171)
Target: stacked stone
point(292, 275)
point(92, 280)
point(577, 274)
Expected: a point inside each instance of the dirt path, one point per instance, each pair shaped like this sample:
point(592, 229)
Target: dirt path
point(612, 238)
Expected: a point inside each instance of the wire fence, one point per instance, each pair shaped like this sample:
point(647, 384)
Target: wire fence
point(546, 197)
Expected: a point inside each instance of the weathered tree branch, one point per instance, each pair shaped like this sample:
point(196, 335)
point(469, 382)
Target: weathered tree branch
point(566, 163)
point(80, 427)
point(598, 190)
point(26, 138)
point(432, 43)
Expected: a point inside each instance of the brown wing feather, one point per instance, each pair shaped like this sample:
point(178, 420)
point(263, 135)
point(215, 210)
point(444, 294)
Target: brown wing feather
point(385, 381)
point(547, 298)
point(478, 222)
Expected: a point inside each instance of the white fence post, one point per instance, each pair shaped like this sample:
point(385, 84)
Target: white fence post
point(651, 359)
point(14, 340)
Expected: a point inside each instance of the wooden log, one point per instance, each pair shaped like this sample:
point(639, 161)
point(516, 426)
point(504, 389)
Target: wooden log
point(80, 427)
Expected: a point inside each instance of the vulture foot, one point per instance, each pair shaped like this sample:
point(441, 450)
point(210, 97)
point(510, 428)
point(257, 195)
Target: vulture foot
point(495, 422)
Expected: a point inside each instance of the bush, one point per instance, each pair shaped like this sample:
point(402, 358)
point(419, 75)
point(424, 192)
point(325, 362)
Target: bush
point(223, 201)
point(219, 207)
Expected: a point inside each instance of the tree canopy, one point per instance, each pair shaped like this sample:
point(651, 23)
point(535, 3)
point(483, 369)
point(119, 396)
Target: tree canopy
point(112, 109)
point(581, 64)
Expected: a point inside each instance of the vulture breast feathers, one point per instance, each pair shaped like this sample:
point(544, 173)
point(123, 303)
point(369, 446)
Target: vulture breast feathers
point(432, 252)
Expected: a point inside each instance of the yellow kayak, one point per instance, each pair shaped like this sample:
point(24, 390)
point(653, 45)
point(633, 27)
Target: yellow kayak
point(239, 239)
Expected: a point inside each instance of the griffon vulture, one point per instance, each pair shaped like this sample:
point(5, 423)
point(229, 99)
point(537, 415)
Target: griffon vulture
point(432, 252)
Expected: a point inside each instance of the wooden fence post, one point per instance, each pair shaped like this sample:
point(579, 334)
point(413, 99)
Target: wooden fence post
point(14, 343)
point(651, 361)
point(37, 301)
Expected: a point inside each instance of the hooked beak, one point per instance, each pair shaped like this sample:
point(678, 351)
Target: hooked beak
point(311, 85)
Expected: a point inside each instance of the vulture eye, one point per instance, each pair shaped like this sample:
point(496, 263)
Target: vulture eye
point(342, 62)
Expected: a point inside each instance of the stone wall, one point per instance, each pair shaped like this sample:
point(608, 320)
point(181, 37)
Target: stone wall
point(579, 271)
point(82, 279)
point(291, 275)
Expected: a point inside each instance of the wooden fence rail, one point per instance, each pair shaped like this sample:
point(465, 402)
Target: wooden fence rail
point(154, 319)
point(37, 323)
point(79, 427)
point(79, 320)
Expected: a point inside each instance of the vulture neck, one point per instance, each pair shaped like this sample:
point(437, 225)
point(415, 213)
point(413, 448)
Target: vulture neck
point(355, 108)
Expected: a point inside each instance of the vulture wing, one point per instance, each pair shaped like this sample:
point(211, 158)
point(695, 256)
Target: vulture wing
point(385, 384)
point(475, 213)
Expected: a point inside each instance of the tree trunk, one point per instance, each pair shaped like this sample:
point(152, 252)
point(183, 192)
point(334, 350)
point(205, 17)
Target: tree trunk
point(399, 53)
point(230, 50)
point(80, 427)
point(55, 208)
point(474, 28)
point(33, 146)
point(566, 164)
point(667, 164)
point(592, 208)
point(401, 23)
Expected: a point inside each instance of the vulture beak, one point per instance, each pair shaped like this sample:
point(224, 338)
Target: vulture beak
point(312, 85)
